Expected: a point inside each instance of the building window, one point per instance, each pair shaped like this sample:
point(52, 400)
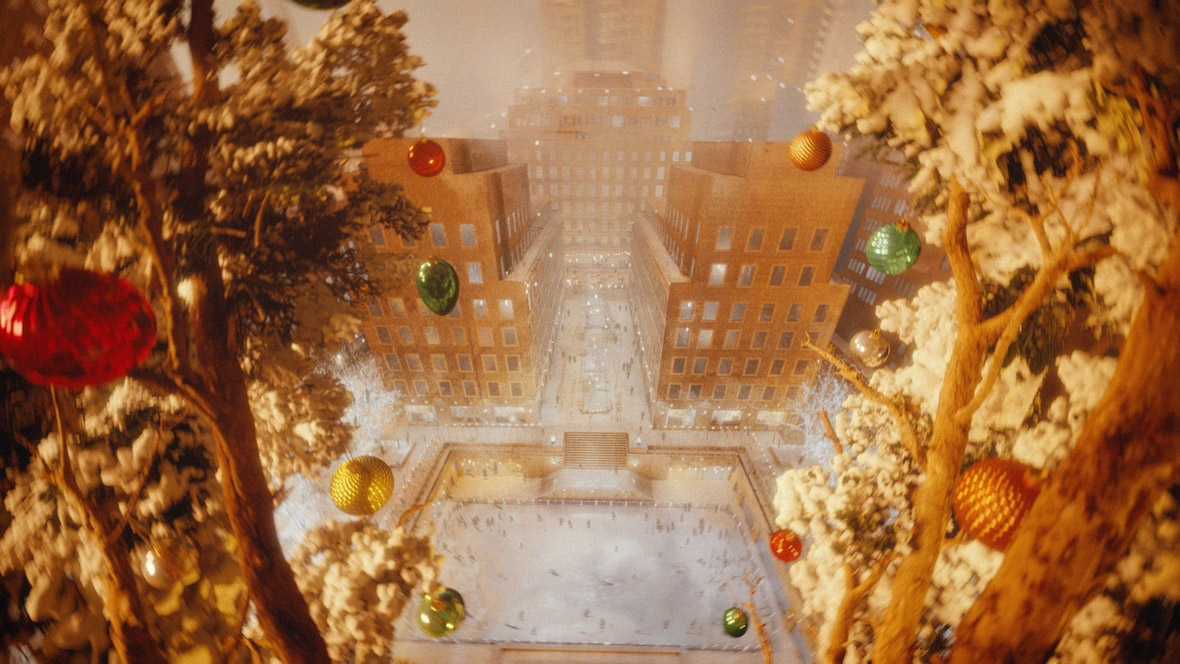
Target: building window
point(759, 341)
point(776, 275)
point(787, 242)
point(718, 392)
point(437, 235)
point(375, 306)
point(704, 338)
point(732, 337)
point(744, 392)
point(405, 335)
point(800, 367)
point(724, 238)
point(685, 311)
point(431, 335)
point(796, 313)
point(383, 335)
point(489, 362)
point(513, 362)
point(444, 388)
point(420, 388)
point(517, 390)
point(397, 306)
point(746, 277)
point(506, 310)
point(464, 363)
point(674, 391)
point(818, 239)
point(392, 363)
point(377, 236)
point(399, 386)
point(806, 276)
point(678, 365)
point(423, 310)
point(754, 242)
point(438, 361)
point(509, 336)
point(710, 312)
point(484, 336)
point(413, 361)
point(767, 313)
point(474, 272)
point(751, 366)
point(821, 312)
point(459, 336)
point(768, 393)
point(682, 338)
point(724, 366)
point(469, 388)
point(694, 391)
point(792, 392)
point(785, 339)
point(467, 232)
point(717, 274)
point(493, 389)
point(738, 312)
point(481, 308)
point(699, 364)
point(776, 368)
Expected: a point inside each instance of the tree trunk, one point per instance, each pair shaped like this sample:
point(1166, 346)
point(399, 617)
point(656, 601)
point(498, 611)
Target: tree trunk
point(932, 499)
point(1087, 514)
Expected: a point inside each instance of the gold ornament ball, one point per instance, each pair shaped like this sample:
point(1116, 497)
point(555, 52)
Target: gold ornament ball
point(168, 560)
point(992, 498)
point(362, 485)
point(869, 347)
point(810, 150)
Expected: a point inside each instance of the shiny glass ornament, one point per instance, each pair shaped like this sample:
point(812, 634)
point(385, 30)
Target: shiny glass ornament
point(82, 328)
point(893, 248)
point(322, 4)
point(785, 545)
point(169, 560)
point(438, 285)
point(362, 485)
point(735, 621)
point(869, 347)
point(810, 150)
point(992, 498)
point(439, 615)
point(426, 158)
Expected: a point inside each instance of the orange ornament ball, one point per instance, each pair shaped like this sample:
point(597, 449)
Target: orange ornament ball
point(426, 158)
point(786, 545)
point(810, 150)
point(992, 497)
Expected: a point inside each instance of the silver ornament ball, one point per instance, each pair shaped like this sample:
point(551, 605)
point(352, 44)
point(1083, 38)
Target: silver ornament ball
point(869, 347)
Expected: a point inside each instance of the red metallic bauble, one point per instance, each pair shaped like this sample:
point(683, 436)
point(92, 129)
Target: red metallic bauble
point(785, 545)
point(427, 158)
point(991, 498)
point(83, 328)
point(810, 150)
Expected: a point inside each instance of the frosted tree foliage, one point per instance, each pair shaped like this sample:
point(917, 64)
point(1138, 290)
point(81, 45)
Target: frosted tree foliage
point(1041, 140)
point(225, 198)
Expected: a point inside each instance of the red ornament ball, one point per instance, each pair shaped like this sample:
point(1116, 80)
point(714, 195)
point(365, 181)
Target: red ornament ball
point(810, 150)
point(427, 158)
point(83, 328)
point(786, 545)
point(992, 498)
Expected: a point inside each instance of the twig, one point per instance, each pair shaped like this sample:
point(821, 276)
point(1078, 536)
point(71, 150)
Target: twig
point(764, 643)
point(827, 422)
point(406, 514)
point(854, 594)
point(901, 413)
point(115, 532)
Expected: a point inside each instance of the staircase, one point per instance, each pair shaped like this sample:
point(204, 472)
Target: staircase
point(595, 449)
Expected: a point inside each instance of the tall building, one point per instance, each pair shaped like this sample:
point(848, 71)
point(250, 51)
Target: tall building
point(486, 359)
point(598, 144)
point(629, 33)
point(730, 274)
point(885, 201)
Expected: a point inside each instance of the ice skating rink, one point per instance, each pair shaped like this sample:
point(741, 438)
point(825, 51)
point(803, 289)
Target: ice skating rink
point(611, 573)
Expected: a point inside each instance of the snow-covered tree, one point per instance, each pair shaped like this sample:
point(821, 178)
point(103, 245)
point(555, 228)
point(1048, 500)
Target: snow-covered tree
point(225, 197)
point(1042, 143)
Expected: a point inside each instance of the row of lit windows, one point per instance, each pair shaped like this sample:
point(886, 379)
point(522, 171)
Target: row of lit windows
point(746, 273)
point(732, 338)
point(470, 389)
point(737, 312)
point(868, 296)
point(592, 172)
point(884, 203)
point(567, 190)
point(593, 155)
point(479, 306)
point(484, 336)
point(744, 392)
point(893, 180)
point(615, 100)
point(438, 362)
point(616, 121)
point(754, 239)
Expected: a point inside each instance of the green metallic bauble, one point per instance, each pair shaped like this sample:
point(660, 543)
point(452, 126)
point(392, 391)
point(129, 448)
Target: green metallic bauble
point(894, 248)
point(438, 285)
point(735, 621)
point(362, 485)
point(322, 4)
point(439, 615)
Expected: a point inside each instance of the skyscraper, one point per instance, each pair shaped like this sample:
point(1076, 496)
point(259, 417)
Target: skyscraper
point(629, 33)
point(731, 274)
point(486, 359)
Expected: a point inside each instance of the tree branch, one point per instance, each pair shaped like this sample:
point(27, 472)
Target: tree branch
point(133, 498)
point(830, 431)
point(901, 413)
point(854, 594)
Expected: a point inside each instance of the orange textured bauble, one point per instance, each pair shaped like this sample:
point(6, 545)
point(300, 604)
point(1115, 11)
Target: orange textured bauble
point(992, 497)
point(811, 149)
point(785, 545)
point(427, 158)
point(362, 485)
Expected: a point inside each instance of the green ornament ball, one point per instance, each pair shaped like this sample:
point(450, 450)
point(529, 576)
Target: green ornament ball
point(322, 4)
point(438, 285)
point(894, 248)
point(735, 621)
point(439, 615)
